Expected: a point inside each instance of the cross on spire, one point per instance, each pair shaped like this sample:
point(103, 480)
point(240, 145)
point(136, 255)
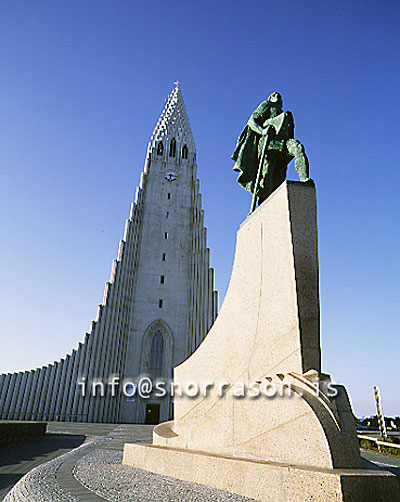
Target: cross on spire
point(173, 121)
point(177, 83)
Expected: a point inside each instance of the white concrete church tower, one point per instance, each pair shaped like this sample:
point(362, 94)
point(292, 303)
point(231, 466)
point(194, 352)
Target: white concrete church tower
point(174, 303)
point(158, 304)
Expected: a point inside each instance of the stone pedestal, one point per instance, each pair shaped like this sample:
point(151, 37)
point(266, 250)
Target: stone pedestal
point(300, 444)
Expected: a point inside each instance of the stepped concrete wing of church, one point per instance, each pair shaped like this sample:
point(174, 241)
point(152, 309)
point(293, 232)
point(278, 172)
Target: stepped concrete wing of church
point(158, 305)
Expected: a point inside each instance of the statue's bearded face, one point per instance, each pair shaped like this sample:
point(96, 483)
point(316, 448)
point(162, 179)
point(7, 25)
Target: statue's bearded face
point(275, 98)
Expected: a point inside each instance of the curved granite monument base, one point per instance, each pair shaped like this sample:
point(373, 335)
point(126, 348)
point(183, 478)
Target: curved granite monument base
point(266, 423)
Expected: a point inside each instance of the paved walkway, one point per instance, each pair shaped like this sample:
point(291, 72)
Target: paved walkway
point(91, 453)
point(21, 457)
point(96, 463)
point(117, 435)
point(374, 460)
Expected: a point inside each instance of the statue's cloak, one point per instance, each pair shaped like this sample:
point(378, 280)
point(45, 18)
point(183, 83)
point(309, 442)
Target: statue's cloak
point(246, 158)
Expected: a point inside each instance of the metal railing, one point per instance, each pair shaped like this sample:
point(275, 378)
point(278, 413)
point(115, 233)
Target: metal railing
point(379, 444)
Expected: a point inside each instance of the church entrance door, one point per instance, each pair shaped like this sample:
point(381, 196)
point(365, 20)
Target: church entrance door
point(152, 413)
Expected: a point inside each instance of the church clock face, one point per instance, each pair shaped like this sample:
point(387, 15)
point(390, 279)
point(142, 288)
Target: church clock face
point(170, 175)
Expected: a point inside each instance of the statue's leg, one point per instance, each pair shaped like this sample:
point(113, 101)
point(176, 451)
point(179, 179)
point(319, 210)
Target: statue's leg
point(296, 149)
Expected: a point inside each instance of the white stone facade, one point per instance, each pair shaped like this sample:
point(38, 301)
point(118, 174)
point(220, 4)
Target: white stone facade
point(158, 304)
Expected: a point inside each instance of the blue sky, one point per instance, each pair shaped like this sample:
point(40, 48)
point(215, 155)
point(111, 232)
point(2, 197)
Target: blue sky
point(82, 84)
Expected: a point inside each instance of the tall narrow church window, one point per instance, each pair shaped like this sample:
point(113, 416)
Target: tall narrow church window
point(160, 302)
point(172, 148)
point(164, 257)
point(169, 195)
point(185, 152)
point(156, 356)
point(160, 148)
point(162, 279)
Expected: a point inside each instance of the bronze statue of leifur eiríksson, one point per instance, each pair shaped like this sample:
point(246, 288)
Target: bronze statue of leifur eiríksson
point(264, 149)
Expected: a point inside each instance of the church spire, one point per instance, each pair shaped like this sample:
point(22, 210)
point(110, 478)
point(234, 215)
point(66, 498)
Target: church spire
point(173, 124)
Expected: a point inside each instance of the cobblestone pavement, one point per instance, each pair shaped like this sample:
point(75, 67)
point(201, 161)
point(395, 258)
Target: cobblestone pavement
point(102, 471)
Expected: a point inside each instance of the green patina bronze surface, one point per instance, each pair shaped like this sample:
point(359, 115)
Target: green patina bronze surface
point(265, 147)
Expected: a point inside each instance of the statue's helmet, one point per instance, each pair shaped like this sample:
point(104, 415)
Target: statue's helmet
point(275, 97)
